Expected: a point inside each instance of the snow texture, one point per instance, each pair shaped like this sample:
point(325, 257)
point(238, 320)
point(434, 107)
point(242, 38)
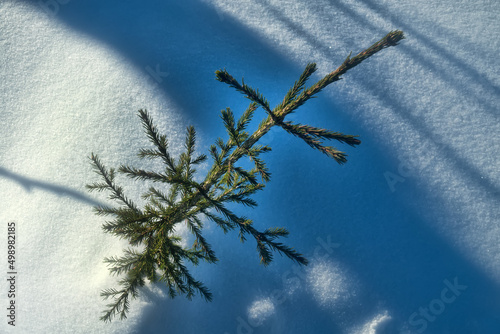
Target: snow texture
point(404, 238)
point(261, 310)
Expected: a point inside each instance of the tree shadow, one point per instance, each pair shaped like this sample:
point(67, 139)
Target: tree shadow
point(468, 171)
point(168, 62)
point(458, 65)
point(30, 184)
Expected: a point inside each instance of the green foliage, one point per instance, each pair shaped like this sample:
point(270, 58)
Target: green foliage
point(157, 253)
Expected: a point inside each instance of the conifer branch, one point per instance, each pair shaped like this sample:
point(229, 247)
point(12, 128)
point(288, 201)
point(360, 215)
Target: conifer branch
point(246, 117)
point(250, 93)
point(119, 265)
point(321, 133)
point(154, 193)
point(121, 298)
point(141, 174)
point(108, 177)
point(310, 135)
point(160, 141)
point(177, 198)
point(298, 86)
point(391, 39)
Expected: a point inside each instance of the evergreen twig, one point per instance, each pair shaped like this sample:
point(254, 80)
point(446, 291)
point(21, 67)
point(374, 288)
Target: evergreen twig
point(178, 199)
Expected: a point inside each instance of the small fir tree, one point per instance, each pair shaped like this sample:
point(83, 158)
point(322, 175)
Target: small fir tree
point(156, 252)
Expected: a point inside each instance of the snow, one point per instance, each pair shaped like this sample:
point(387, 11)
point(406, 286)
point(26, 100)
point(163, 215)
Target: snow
point(393, 236)
point(260, 310)
point(330, 286)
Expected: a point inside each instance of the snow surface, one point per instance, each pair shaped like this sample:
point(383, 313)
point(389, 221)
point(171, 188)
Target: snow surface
point(405, 238)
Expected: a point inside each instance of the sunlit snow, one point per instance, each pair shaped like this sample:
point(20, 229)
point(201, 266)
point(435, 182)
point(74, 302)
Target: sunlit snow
point(404, 238)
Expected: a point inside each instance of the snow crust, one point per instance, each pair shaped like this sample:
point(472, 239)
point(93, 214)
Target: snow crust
point(409, 225)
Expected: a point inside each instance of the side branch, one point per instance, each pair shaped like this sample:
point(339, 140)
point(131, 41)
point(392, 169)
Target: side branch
point(391, 39)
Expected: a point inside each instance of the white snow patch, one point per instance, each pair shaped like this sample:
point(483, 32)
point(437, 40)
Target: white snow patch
point(261, 310)
point(330, 284)
point(375, 325)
